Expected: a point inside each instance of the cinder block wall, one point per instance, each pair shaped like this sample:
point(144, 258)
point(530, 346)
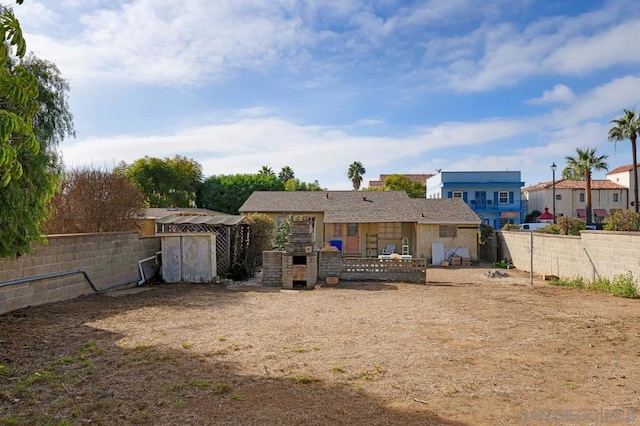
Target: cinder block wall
point(272, 268)
point(330, 264)
point(107, 258)
point(593, 254)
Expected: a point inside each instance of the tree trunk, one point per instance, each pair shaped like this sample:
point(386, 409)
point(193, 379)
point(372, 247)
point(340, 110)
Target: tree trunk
point(588, 196)
point(635, 173)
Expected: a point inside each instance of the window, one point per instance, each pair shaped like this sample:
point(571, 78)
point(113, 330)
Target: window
point(503, 197)
point(389, 231)
point(448, 231)
point(337, 230)
point(558, 197)
point(615, 198)
point(457, 194)
point(582, 197)
point(352, 229)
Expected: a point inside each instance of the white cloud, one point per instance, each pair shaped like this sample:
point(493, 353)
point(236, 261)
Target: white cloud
point(244, 140)
point(568, 46)
point(168, 42)
point(600, 51)
point(559, 94)
point(604, 101)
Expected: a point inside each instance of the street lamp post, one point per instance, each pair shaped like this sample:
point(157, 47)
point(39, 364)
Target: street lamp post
point(553, 191)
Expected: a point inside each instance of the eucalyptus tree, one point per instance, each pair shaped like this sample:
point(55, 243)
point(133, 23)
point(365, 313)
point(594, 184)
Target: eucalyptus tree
point(355, 172)
point(34, 118)
point(580, 166)
point(166, 182)
point(628, 127)
point(226, 193)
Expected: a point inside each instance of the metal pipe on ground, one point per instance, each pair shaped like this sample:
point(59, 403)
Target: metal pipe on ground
point(65, 273)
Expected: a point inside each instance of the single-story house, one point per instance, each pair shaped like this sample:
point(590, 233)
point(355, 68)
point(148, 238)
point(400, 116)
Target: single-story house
point(365, 223)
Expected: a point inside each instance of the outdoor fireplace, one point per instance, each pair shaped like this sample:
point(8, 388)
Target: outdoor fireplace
point(300, 259)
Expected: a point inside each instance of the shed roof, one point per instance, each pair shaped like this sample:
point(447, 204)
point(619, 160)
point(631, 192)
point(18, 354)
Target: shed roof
point(221, 219)
point(157, 212)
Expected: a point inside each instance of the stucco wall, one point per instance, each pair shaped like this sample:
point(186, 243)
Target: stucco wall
point(427, 234)
point(107, 259)
point(593, 254)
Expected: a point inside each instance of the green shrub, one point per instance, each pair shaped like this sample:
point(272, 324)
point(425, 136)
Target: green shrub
point(283, 232)
point(623, 285)
point(238, 272)
point(502, 264)
point(486, 231)
point(623, 220)
point(510, 227)
point(570, 225)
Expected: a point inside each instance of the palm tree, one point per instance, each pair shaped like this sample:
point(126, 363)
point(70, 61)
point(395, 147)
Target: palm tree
point(356, 170)
point(628, 127)
point(266, 171)
point(581, 166)
point(285, 174)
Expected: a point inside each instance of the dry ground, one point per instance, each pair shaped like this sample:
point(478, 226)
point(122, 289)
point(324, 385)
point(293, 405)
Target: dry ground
point(462, 350)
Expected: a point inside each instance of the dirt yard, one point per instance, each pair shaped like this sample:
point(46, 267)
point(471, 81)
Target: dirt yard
point(463, 350)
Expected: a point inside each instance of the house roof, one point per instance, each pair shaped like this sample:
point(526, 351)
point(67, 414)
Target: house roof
point(362, 206)
point(157, 213)
point(444, 210)
point(574, 184)
point(622, 169)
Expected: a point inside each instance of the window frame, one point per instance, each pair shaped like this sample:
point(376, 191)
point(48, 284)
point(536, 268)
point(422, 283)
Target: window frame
point(506, 197)
point(448, 231)
point(390, 230)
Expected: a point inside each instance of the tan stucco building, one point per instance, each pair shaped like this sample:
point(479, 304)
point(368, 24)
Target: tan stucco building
point(606, 197)
point(363, 224)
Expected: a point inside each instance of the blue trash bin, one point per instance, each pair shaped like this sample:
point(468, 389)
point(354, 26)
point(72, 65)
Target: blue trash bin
point(337, 244)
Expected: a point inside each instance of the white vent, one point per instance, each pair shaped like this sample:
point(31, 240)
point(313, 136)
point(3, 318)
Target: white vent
point(308, 249)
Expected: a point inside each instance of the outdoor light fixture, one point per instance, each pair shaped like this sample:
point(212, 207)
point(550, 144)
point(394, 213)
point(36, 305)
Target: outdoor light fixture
point(553, 185)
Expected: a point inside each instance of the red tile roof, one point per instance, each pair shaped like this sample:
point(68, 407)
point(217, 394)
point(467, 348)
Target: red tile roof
point(625, 168)
point(574, 184)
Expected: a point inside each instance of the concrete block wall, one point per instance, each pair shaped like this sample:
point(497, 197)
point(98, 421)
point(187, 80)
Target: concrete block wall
point(591, 255)
point(107, 258)
point(272, 268)
point(330, 264)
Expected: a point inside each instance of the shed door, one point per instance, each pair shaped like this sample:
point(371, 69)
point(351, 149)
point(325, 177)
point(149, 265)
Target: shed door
point(353, 239)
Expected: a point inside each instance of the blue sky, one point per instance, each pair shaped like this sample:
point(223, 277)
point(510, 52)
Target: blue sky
point(401, 86)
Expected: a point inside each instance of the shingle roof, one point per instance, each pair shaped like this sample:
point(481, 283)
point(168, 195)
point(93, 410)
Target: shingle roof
point(625, 168)
point(361, 207)
point(574, 184)
point(444, 210)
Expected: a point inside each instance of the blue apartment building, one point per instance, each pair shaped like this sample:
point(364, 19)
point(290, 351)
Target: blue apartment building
point(494, 196)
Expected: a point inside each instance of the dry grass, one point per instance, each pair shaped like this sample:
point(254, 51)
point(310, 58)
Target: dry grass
point(464, 349)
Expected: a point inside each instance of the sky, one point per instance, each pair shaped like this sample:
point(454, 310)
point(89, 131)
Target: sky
point(400, 86)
